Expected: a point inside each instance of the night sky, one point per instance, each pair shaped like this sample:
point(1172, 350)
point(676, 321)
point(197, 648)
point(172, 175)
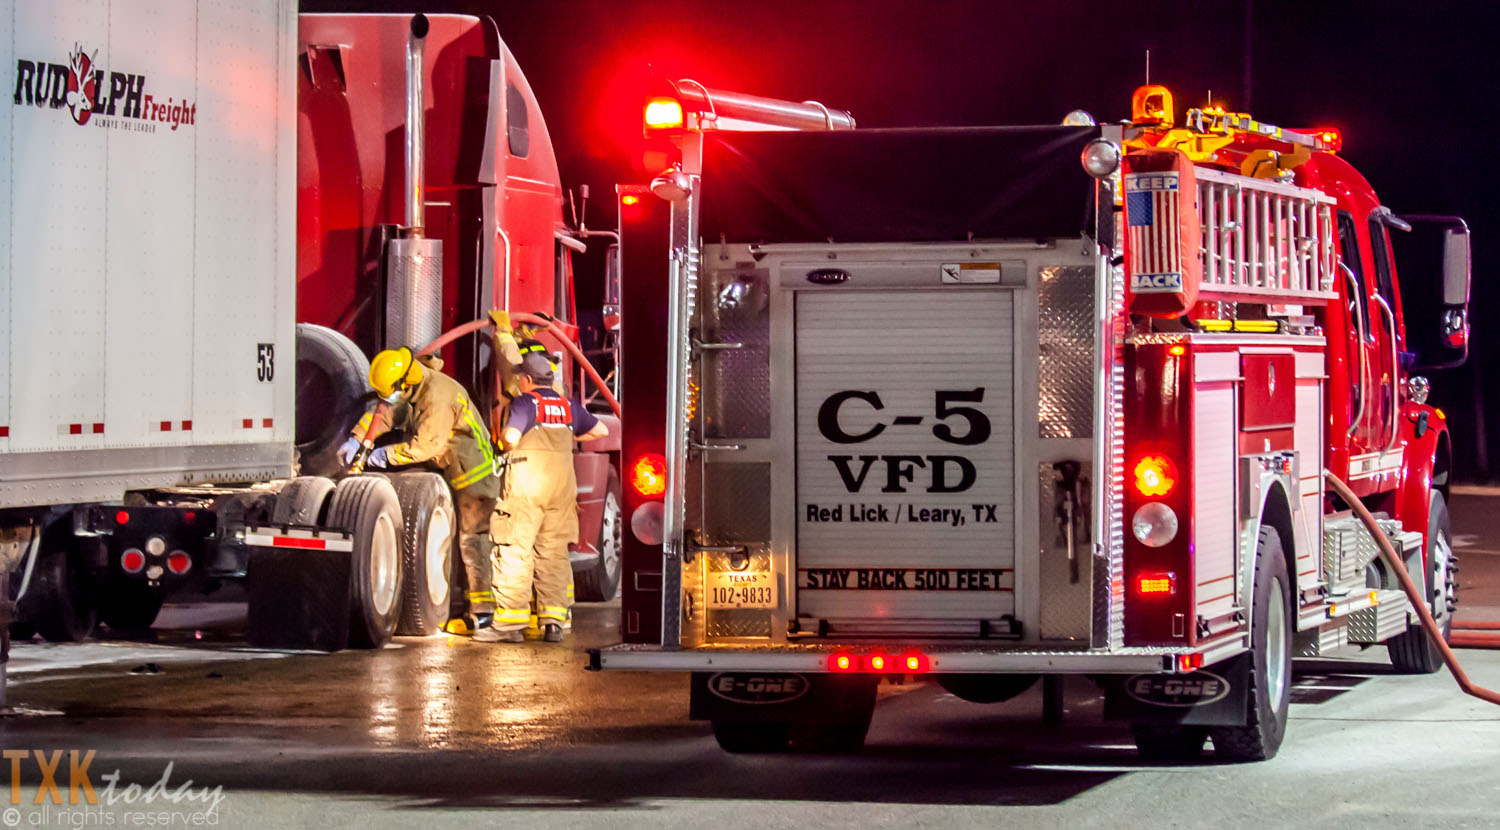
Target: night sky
point(1413, 87)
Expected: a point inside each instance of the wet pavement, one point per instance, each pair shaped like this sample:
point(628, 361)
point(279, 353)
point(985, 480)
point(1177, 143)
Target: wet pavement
point(439, 732)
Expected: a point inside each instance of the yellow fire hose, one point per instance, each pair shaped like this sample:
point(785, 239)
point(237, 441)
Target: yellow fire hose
point(1393, 561)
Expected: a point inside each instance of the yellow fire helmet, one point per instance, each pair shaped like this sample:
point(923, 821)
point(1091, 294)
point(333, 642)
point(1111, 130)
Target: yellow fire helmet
point(392, 371)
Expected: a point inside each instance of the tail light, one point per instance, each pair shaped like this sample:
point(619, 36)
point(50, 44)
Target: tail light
point(179, 563)
point(842, 661)
point(1155, 475)
point(663, 114)
point(132, 561)
point(648, 475)
point(1156, 584)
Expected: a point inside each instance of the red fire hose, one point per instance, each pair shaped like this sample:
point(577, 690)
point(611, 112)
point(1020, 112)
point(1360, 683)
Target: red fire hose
point(1393, 561)
point(453, 334)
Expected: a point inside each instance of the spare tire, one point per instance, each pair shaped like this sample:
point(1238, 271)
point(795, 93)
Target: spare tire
point(332, 387)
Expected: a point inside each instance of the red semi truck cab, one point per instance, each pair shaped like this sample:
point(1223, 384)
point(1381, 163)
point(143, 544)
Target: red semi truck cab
point(994, 404)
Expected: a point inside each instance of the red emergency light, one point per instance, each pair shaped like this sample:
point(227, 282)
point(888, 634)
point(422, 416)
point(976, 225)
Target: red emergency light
point(1156, 584)
point(648, 475)
point(663, 113)
point(629, 199)
point(1155, 475)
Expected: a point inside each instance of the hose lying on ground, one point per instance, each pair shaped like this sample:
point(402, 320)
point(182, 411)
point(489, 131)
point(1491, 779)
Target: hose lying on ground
point(1393, 561)
point(479, 325)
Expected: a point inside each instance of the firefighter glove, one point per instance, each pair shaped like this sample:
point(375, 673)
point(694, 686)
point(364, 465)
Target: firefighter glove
point(377, 459)
point(501, 318)
point(348, 450)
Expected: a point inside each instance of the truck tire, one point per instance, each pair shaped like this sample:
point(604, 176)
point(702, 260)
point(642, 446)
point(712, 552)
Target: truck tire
point(844, 731)
point(427, 542)
point(130, 606)
point(56, 603)
point(986, 688)
point(751, 737)
point(1271, 661)
point(332, 386)
point(600, 581)
point(1169, 744)
point(367, 506)
point(1412, 651)
point(302, 501)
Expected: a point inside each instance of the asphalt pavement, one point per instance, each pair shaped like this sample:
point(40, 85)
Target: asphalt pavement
point(442, 732)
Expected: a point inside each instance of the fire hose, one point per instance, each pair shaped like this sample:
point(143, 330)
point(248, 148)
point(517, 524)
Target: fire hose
point(367, 442)
point(1393, 561)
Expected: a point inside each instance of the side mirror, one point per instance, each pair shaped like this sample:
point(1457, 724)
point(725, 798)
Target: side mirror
point(1433, 267)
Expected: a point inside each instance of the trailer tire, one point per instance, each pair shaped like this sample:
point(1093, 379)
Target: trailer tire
point(751, 737)
point(1412, 651)
point(367, 507)
point(1169, 744)
point(427, 541)
point(1271, 661)
point(601, 580)
point(332, 385)
point(303, 501)
point(844, 731)
point(56, 603)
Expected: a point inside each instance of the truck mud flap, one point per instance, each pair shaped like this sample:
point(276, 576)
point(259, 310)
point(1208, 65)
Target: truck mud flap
point(1215, 696)
point(299, 599)
point(776, 697)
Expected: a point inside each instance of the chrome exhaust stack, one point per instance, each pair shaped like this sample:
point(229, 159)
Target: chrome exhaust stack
point(414, 263)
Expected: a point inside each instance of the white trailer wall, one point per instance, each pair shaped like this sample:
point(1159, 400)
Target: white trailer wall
point(148, 300)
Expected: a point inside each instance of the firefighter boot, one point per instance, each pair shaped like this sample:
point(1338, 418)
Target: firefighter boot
point(476, 549)
point(552, 633)
point(489, 634)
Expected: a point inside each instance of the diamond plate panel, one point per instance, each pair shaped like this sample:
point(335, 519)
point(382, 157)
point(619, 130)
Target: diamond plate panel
point(1378, 624)
point(737, 397)
point(413, 292)
point(736, 503)
point(1066, 605)
point(1065, 352)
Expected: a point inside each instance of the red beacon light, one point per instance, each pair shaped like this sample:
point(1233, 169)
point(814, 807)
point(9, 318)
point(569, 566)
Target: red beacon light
point(629, 199)
point(1331, 137)
point(663, 114)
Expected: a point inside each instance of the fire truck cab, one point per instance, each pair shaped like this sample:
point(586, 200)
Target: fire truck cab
point(993, 404)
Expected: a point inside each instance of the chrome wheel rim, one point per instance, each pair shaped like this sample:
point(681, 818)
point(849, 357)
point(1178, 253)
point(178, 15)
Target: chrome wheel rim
point(385, 562)
point(1278, 666)
point(1445, 592)
point(609, 537)
point(439, 542)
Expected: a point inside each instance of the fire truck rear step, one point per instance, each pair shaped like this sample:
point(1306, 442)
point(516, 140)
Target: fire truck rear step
point(955, 659)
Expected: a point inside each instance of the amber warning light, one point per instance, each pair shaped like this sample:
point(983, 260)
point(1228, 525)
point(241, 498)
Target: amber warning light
point(663, 114)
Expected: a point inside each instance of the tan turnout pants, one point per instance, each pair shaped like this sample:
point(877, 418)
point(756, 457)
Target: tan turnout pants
point(533, 524)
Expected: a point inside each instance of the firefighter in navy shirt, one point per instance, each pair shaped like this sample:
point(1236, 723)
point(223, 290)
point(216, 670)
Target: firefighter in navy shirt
point(536, 517)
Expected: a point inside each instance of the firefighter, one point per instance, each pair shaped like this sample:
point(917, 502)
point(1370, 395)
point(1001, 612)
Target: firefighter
point(511, 350)
point(442, 429)
point(537, 516)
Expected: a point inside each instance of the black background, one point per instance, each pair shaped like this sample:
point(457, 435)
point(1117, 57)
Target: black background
point(1412, 86)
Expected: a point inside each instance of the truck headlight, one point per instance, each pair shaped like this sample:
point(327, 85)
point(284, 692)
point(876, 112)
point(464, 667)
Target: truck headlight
point(1100, 157)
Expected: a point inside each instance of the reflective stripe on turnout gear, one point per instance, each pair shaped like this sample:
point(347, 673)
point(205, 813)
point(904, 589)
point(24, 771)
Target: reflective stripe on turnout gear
point(512, 616)
point(553, 612)
point(482, 471)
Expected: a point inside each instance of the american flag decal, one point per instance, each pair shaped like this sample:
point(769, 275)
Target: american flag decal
point(1151, 224)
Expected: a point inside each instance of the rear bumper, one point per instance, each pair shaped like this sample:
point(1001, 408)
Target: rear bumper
point(951, 659)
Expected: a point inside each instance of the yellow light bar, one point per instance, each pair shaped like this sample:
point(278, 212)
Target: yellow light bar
point(1248, 326)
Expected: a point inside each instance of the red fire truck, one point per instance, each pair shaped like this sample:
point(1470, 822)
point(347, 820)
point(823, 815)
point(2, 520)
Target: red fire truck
point(994, 404)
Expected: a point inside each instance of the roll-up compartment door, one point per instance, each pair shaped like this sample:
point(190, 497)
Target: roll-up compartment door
point(906, 458)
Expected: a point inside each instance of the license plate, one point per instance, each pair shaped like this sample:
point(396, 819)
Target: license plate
point(741, 589)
